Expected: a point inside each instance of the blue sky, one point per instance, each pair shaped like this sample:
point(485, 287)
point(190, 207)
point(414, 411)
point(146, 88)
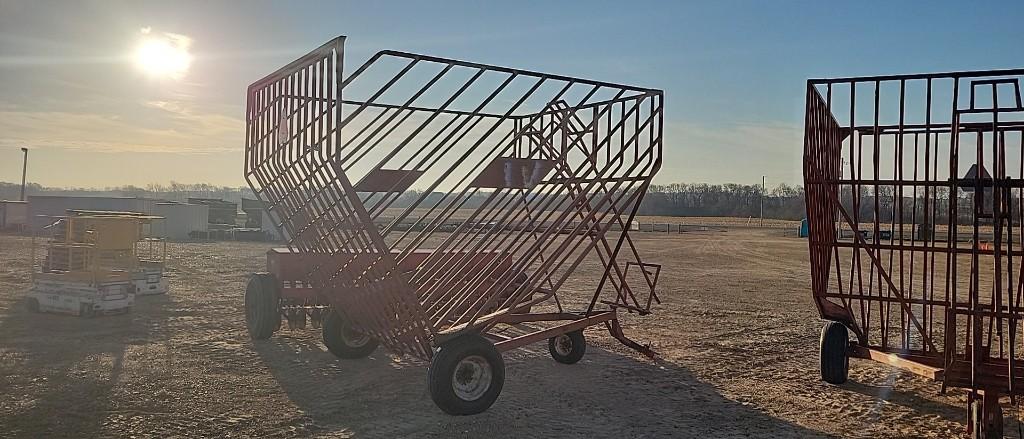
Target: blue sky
point(733, 71)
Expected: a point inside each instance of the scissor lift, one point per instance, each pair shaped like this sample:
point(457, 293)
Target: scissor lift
point(95, 262)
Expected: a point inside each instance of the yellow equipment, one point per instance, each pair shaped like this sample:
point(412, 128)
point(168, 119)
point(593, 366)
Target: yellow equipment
point(96, 262)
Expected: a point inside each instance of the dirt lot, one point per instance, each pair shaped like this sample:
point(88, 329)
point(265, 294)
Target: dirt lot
point(737, 334)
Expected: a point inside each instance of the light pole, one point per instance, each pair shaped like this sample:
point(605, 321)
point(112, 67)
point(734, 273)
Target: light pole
point(763, 190)
point(24, 168)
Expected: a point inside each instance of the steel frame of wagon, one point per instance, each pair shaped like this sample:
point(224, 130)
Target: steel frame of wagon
point(302, 175)
point(922, 318)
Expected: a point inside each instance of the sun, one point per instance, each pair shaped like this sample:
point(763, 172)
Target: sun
point(163, 56)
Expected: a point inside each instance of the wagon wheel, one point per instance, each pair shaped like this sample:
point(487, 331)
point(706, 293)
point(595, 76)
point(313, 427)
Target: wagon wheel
point(262, 306)
point(984, 416)
point(343, 341)
point(568, 348)
point(835, 362)
point(466, 375)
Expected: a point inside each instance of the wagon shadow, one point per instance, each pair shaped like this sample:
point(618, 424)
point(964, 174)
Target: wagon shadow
point(924, 406)
point(607, 394)
point(65, 395)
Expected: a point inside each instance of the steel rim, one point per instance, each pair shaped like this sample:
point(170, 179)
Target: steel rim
point(563, 345)
point(353, 338)
point(472, 378)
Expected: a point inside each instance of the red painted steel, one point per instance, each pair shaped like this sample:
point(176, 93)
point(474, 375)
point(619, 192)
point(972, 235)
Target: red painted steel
point(520, 176)
point(911, 247)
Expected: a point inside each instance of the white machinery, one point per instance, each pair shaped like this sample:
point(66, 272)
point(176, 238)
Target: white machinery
point(96, 263)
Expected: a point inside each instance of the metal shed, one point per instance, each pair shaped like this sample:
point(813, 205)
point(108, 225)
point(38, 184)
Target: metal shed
point(42, 207)
point(180, 220)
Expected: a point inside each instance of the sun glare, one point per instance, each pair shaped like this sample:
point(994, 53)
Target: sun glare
point(164, 56)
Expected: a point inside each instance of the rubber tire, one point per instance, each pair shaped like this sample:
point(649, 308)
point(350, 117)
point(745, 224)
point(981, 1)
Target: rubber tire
point(579, 347)
point(977, 421)
point(32, 305)
point(442, 370)
point(262, 306)
point(331, 330)
point(835, 363)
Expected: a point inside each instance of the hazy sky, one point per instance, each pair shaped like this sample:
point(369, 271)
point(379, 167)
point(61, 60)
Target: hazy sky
point(733, 72)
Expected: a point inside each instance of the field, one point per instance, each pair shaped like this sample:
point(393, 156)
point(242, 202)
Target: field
point(737, 336)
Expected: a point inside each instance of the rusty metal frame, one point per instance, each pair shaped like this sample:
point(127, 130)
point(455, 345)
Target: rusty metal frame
point(525, 176)
point(944, 303)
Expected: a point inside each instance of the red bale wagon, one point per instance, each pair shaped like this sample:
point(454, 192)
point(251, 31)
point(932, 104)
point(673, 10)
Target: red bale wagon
point(521, 178)
point(914, 196)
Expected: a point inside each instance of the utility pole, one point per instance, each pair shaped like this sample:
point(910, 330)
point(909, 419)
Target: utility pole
point(763, 190)
point(24, 168)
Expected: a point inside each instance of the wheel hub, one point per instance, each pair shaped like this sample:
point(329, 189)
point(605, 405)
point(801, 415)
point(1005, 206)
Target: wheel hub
point(563, 345)
point(472, 378)
point(354, 338)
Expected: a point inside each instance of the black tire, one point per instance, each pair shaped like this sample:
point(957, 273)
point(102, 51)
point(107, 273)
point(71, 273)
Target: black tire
point(32, 305)
point(459, 363)
point(343, 341)
point(980, 427)
point(568, 348)
point(262, 306)
point(835, 363)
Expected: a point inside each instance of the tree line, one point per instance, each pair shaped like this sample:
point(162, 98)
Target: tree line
point(931, 205)
point(172, 192)
point(731, 200)
point(676, 199)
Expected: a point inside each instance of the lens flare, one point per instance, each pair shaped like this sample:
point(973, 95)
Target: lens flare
point(164, 56)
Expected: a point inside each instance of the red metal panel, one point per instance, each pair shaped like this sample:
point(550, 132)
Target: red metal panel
point(822, 143)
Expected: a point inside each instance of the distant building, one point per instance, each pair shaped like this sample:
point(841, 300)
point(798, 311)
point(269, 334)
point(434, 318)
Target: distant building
point(257, 217)
point(13, 215)
point(181, 221)
point(221, 213)
point(199, 218)
point(44, 209)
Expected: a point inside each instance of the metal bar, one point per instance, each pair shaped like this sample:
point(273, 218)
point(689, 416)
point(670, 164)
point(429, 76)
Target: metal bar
point(545, 334)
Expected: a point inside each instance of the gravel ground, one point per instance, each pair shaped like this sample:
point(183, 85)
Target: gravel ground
point(737, 336)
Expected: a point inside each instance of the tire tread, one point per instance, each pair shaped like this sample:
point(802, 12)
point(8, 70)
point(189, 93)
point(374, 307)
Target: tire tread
point(835, 363)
